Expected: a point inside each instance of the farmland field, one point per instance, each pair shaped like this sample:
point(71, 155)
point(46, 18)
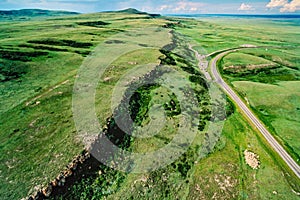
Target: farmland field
point(43, 57)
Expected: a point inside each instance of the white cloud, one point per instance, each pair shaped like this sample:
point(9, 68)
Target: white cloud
point(164, 7)
point(293, 6)
point(182, 6)
point(285, 5)
point(276, 3)
point(245, 7)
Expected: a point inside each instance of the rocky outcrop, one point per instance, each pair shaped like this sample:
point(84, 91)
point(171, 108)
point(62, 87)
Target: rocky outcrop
point(81, 166)
point(85, 165)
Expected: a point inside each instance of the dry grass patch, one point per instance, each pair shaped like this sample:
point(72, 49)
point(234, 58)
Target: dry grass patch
point(252, 159)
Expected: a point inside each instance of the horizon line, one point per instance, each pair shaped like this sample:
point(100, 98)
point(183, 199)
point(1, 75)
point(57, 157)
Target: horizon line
point(149, 12)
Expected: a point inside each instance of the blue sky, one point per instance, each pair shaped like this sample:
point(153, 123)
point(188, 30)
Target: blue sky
point(162, 6)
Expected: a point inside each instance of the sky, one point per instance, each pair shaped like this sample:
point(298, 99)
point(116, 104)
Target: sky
point(162, 6)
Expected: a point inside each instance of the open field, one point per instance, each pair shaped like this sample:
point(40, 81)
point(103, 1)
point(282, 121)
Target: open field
point(38, 136)
point(226, 171)
point(240, 63)
point(278, 105)
point(39, 61)
point(223, 174)
point(266, 66)
point(277, 62)
point(232, 32)
point(280, 75)
point(143, 114)
point(276, 65)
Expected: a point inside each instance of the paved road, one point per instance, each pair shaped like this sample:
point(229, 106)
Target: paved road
point(272, 141)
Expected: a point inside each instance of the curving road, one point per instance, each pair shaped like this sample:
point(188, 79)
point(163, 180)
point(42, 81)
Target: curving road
point(272, 141)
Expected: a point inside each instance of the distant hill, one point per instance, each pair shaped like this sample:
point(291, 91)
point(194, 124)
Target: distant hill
point(32, 13)
point(135, 11)
point(25, 14)
point(132, 11)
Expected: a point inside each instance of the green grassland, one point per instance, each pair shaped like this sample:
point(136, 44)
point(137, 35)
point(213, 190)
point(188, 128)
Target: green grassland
point(260, 65)
point(145, 98)
point(38, 136)
point(239, 63)
point(223, 174)
point(276, 65)
point(29, 14)
point(241, 59)
point(39, 60)
point(230, 33)
point(278, 69)
point(228, 175)
point(278, 105)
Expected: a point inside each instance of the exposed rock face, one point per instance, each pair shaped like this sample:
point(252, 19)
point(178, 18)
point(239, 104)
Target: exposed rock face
point(71, 173)
point(85, 164)
point(252, 159)
point(47, 190)
point(54, 183)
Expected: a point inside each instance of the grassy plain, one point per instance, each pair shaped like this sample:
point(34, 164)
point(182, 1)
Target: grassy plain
point(240, 59)
point(279, 106)
point(214, 34)
point(223, 174)
point(38, 136)
point(276, 64)
point(227, 173)
point(271, 74)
